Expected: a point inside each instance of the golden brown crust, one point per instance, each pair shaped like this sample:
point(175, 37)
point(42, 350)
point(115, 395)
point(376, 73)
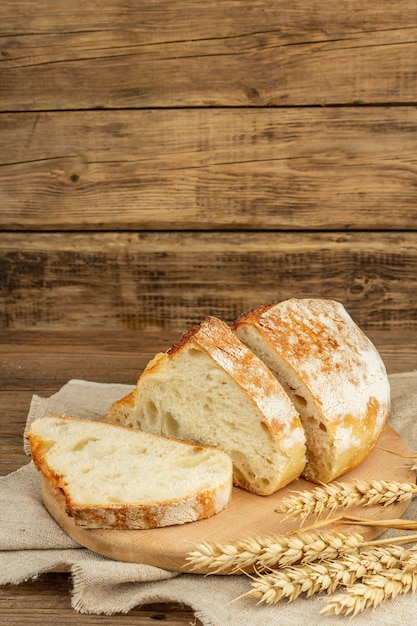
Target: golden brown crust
point(123, 516)
point(143, 516)
point(249, 372)
point(253, 313)
point(131, 515)
point(127, 401)
point(39, 448)
point(185, 337)
point(336, 363)
point(271, 405)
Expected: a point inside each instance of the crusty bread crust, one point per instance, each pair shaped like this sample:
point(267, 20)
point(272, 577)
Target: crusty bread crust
point(123, 410)
point(178, 384)
point(249, 372)
point(333, 374)
point(72, 435)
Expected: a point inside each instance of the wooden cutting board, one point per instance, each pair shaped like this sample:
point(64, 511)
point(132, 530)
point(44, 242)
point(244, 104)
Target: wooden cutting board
point(246, 515)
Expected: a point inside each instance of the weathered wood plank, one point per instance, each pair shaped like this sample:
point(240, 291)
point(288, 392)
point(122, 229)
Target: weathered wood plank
point(166, 20)
point(158, 54)
point(335, 168)
point(169, 281)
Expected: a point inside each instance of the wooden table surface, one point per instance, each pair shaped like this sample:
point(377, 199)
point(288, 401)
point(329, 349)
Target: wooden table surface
point(40, 363)
point(160, 162)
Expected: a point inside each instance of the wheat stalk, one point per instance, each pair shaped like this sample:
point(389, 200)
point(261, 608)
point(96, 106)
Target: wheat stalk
point(326, 576)
point(272, 551)
point(330, 497)
point(305, 562)
point(412, 456)
point(398, 524)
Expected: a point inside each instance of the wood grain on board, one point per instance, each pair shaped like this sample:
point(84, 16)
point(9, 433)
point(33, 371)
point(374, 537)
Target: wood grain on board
point(246, 516)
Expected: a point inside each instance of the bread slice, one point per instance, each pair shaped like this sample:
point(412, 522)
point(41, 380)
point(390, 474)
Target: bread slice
point(117, 478)
point(332, 373)
point(210, 388)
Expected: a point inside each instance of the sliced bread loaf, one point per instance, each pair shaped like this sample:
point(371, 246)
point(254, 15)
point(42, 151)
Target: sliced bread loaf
point(118, 478)
point(210, 388)
point(332, 373)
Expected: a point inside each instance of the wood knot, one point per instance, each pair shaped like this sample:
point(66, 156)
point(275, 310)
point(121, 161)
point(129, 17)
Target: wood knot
point(252, 94)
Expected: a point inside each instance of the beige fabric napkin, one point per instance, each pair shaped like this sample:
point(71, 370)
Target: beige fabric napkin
point(32, 543)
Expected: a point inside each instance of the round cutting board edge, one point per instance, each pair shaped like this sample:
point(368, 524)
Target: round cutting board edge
point(246, 515)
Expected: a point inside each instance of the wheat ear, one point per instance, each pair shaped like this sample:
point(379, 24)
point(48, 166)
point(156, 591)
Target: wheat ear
point(327, 498)
point(324, 577)
point(272, 551)
point(371, 592)
point(391, 581)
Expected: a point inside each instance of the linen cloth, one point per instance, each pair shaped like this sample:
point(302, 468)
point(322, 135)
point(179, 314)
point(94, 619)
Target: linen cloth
point(32, 543)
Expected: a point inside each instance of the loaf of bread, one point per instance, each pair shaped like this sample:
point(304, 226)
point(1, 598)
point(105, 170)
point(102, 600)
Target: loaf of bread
point(210, 388)
point(117, 478)
point(331, 371)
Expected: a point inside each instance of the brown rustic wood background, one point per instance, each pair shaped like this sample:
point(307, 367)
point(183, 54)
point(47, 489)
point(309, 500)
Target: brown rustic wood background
point(164, 160)
point(161, 161)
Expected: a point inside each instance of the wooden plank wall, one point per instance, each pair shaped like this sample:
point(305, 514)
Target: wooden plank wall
point(160, 161)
